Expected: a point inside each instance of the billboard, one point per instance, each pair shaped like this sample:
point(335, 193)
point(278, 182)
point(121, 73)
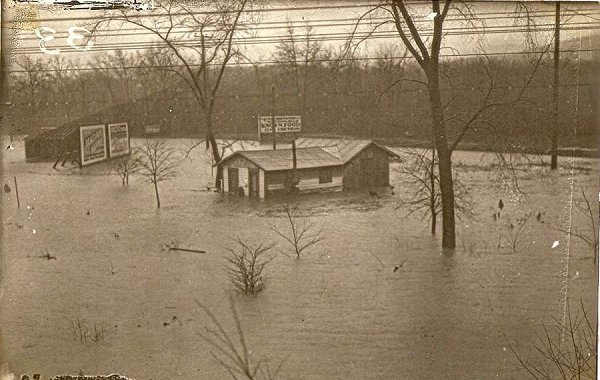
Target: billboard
point(283, 124)
point(92, 143)
point(118, 139)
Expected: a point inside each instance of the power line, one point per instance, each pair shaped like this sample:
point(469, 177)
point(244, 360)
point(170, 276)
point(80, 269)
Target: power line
point(482, 16)
point(324, 37)
point(121, 16)
point(206, 13)
point(313, 24)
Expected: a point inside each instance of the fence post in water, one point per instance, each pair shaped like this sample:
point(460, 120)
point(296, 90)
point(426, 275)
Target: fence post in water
point(17, 192)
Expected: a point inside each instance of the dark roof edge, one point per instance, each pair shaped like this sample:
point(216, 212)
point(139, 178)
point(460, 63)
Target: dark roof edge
point(386, 149)
point(238, 153)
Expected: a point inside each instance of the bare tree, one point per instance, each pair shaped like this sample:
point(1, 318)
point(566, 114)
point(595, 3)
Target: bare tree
point(85, 82)
point(512, 233)
point(591, 235)
point(403, 14)
point(390, 66)
point(61, 75)
point(126, 166)
point(225, 146)
point(299, 53)
point(565, 352)
point(33, 75)
point(421, 177)
point(151, 80)
point(246, 266)
point(235, 359)
point(301, 234)
point(157, 163)
point(202, 44)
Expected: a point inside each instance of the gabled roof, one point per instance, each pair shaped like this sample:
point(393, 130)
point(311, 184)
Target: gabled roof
point(347, 148)
point(281, 159)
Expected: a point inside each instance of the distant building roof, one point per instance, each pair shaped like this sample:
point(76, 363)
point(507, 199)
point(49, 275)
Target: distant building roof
point(346, 148)
point(281, 159)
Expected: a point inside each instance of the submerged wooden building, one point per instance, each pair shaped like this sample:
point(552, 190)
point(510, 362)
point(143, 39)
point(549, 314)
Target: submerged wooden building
point(321, 165)
point(81, 144)
point(47, 144)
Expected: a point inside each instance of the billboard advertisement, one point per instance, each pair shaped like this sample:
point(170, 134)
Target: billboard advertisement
point(118, 139)
point(92, 144)
point(283, 124)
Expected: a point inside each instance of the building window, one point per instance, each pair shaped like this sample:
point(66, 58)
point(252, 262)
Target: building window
point(370, 154)
point(325, 175)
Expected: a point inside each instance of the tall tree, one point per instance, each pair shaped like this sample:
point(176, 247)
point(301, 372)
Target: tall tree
point(425, 45)
point(33, 75)
point(202, 41)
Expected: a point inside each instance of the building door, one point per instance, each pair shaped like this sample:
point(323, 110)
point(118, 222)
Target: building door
point(253, 182)
point(232, 180)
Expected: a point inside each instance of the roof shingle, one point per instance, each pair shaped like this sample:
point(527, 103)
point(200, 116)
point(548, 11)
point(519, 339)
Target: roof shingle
point(347, 148)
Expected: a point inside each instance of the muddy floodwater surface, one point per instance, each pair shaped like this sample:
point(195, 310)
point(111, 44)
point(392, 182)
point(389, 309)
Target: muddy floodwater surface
point(83, 253)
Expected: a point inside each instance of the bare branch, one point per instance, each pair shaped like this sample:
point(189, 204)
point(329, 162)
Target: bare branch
point(301, 235)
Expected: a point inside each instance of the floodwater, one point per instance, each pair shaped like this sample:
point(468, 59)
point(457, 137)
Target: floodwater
point(340, 312)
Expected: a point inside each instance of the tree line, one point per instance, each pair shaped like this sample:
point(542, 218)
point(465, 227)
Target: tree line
point(354, 100)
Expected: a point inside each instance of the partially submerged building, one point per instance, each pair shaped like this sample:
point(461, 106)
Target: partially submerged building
point(48, 144)
point(321, 165)
point(366, 163)
point(81, 144)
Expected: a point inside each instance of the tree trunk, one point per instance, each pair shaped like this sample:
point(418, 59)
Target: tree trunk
point(432, 193)
point(212, 141)
point(157, 196)
point(444, 156)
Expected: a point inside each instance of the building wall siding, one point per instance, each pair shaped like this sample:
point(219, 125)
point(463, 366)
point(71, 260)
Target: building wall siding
point(280, 182)
point(370, 168)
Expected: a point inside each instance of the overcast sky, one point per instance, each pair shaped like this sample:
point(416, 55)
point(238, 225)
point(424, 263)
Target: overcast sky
point(495, 15)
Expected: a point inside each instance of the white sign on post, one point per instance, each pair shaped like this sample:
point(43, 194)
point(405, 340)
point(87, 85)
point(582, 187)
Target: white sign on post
point(283, 124)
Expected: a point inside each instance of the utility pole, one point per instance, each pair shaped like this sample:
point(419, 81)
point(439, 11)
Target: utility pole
point(273, 117)
point(554, 147)
point(294, 166)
